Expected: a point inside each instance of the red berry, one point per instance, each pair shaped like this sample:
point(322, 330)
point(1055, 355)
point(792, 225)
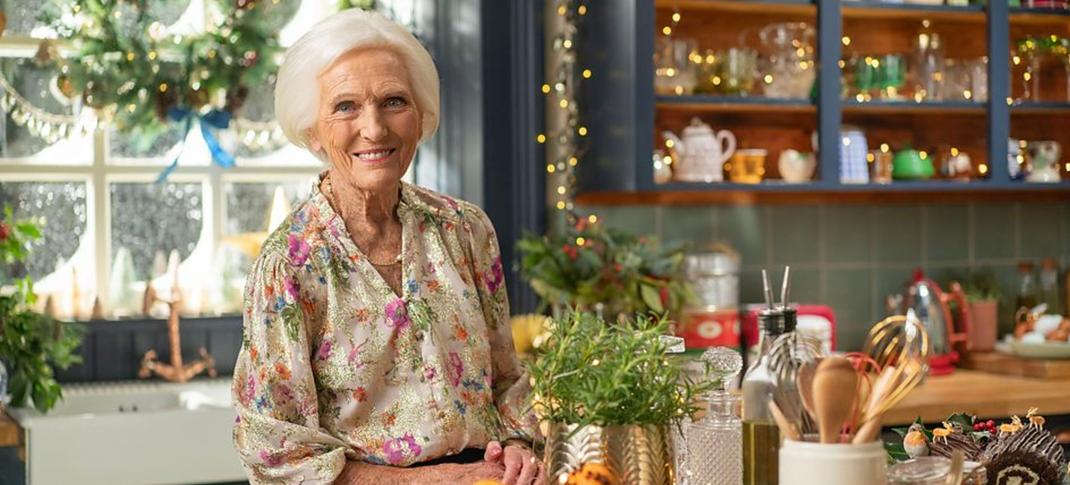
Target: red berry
point(991, 423)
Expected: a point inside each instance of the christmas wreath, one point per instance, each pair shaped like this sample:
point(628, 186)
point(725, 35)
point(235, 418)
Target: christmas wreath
point(142, 76)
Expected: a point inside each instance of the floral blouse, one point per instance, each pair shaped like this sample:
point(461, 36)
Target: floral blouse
point(335, 365)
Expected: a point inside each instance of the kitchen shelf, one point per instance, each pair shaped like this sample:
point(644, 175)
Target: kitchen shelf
point(903, 11)
point(1039, 16)
point(778, 7)
point(912, 107)
point(684, 193)
point(625, 114)
point(1040, 108)
point(734, 104)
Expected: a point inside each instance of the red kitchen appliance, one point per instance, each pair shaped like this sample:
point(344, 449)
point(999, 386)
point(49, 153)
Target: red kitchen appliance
point(948, 332)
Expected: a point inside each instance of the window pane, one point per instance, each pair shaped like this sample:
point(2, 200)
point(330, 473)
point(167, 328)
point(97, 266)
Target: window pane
point(158, 149)
point(22, 16)
point(38, 86)
point(148, 217)
point(249, 205)
point(61, 207)
point(166, 12)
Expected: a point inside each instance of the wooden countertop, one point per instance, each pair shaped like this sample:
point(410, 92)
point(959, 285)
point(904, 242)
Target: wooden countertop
point(9, 431)
point(983, 394)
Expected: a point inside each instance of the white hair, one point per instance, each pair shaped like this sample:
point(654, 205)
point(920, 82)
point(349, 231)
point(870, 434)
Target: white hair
point(297, 88)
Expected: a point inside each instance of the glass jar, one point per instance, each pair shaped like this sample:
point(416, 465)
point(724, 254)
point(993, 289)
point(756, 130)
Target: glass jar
point(788, 70)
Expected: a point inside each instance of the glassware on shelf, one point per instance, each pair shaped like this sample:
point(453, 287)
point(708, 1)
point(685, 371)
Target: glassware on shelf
point(788, 71)
point(708, 72)
point(1043, 161)
point(978, 72)
point(674, 69)
point(1031, 57)
point(955, 163)
point(880, 165)
point(1016, 159)
point(957, 84)
point(892, 73)
point(738, 68)
point(929, 65)
point(714, 444)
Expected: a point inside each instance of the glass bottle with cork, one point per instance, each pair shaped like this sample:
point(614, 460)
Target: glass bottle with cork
point(1027, 287)
point(761, 437)
point(1049, 285)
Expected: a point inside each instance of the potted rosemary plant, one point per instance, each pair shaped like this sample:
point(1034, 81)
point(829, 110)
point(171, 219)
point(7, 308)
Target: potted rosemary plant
point(608, 394)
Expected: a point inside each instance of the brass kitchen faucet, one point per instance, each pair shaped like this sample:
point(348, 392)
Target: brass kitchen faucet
point(176, 371)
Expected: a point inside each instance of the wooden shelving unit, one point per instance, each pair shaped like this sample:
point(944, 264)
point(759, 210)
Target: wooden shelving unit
point(915, 108)
point(734, 104)
point(888, 11)
point(1028, 108)
point(618, 167)
point(779, 7)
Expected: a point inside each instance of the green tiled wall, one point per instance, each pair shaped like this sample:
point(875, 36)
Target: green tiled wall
point(850, 256)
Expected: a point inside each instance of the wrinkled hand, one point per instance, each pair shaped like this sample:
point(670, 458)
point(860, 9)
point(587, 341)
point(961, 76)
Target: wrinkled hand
point(521, 465)
point(470, 472)
point(360, 473)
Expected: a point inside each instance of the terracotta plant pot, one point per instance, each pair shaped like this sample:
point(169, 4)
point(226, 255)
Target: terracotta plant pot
point(985, 327)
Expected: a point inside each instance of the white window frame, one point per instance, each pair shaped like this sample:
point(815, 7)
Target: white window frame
point(103, 169)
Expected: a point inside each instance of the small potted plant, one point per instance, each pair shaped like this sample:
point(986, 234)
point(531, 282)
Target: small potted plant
point(982, 295)
point(608, 271)
point(32, 345)
point(608, 394)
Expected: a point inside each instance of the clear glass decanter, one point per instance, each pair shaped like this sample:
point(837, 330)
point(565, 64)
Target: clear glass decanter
point(715, 442)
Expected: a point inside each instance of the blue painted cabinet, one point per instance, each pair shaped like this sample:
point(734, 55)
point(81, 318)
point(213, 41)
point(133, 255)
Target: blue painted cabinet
point(622, 111)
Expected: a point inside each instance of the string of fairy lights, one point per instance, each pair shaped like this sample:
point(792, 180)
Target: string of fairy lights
point(565, 133)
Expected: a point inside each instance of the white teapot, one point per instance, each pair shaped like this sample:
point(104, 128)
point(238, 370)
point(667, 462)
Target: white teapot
point(702, 152)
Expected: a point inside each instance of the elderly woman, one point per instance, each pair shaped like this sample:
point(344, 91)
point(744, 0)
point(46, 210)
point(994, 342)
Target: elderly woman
point(376, 346)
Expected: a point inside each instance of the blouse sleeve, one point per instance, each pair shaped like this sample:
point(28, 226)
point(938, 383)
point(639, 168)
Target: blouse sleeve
point(277, 434)
point(511, 388)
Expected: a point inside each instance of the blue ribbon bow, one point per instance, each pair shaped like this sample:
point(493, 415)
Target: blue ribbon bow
point(209, 122)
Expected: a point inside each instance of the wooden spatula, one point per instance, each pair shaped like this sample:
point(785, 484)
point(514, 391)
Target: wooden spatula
point(835, 384)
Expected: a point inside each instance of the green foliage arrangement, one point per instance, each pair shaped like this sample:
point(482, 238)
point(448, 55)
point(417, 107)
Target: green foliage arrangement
point(979, 284)
point(591, 264)
point(591, 373)
point(125, 64)
point(32, 345)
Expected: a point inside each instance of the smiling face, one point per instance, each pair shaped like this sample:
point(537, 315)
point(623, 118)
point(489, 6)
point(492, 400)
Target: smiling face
point(368, 125)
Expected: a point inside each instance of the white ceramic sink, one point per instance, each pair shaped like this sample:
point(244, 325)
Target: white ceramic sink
point(133, 433)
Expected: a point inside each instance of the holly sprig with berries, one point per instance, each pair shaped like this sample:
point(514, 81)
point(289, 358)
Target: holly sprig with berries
point(32, 345)
point(590, 264)
point(135, 73)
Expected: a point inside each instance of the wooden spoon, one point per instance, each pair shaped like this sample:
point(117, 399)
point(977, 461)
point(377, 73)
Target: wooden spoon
point(871, 414)
point(835, 384)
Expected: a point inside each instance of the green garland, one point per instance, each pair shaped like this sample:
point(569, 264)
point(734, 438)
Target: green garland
point(136, 74)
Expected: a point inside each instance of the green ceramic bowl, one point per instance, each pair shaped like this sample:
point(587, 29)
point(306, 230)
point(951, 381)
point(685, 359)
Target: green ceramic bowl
point(909, 165)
